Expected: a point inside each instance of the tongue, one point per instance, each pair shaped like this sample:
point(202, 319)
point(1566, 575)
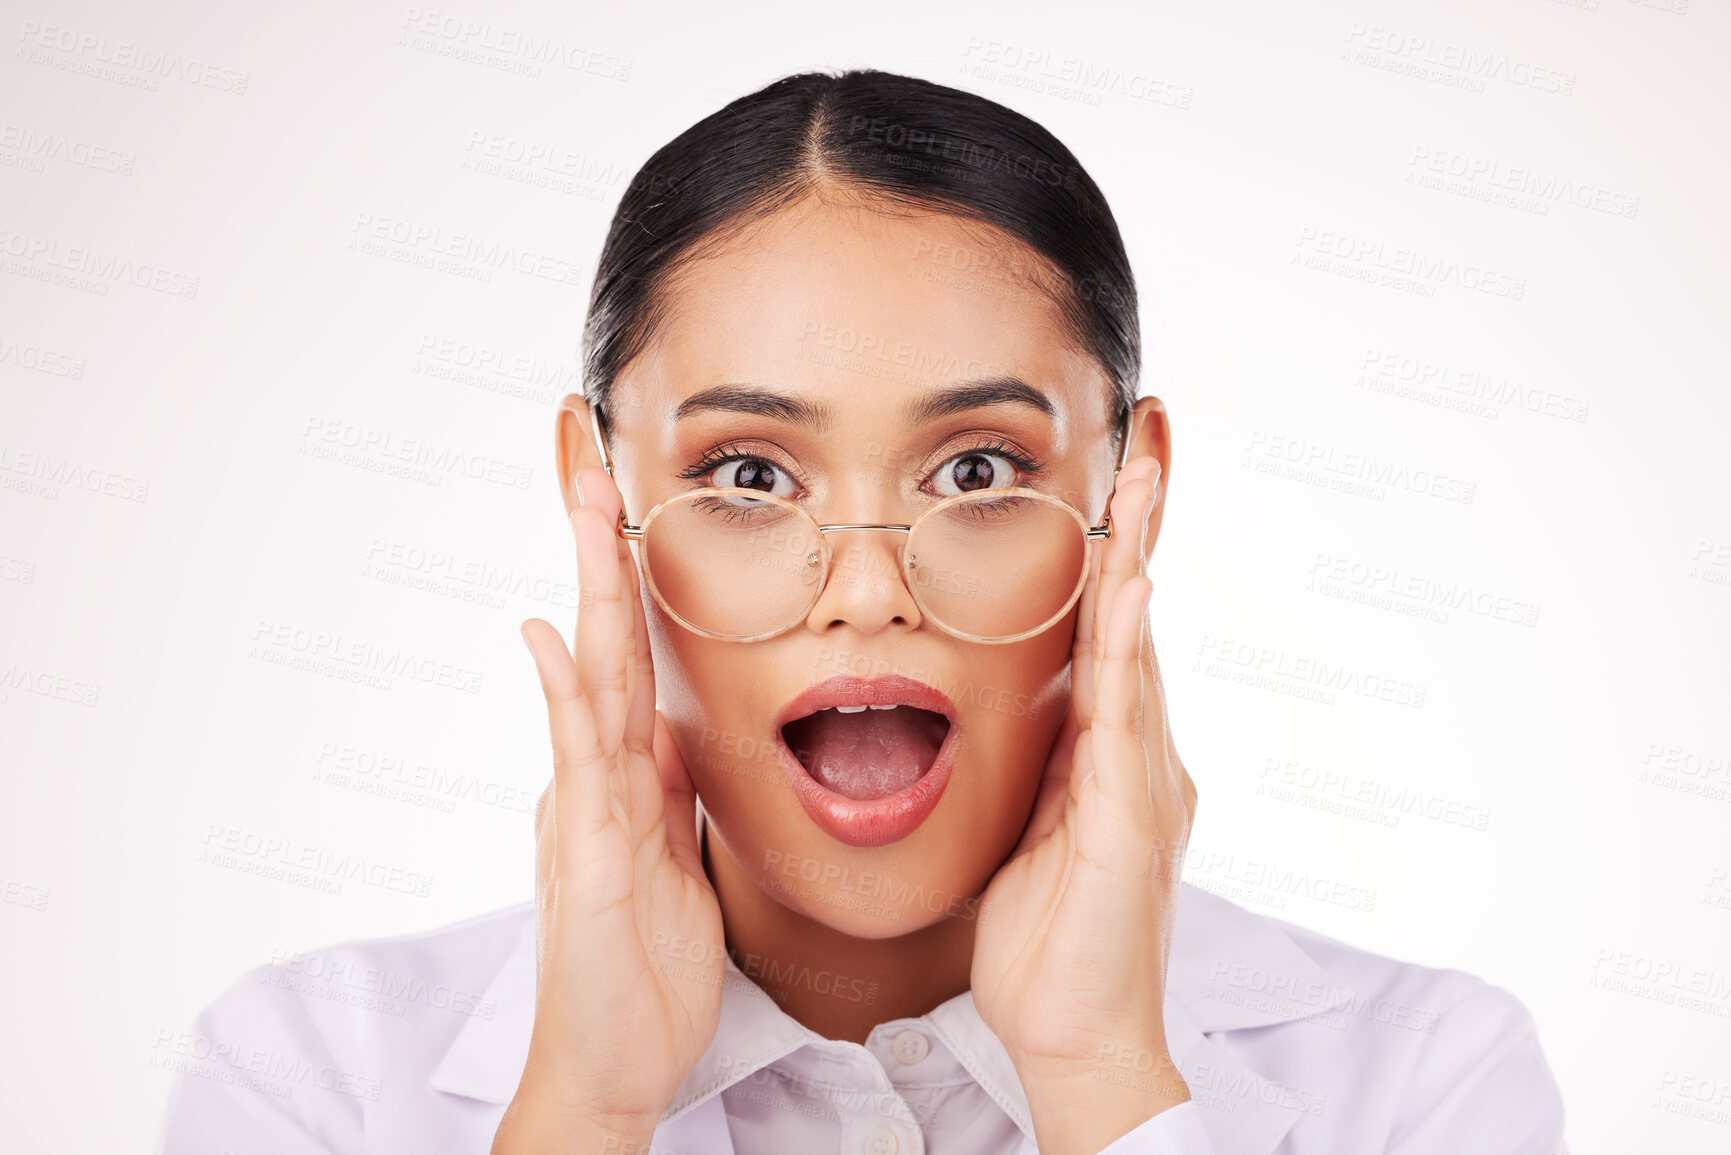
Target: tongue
point(869, 754)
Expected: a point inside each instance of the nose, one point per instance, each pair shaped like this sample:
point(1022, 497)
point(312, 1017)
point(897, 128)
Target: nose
point(864, 588)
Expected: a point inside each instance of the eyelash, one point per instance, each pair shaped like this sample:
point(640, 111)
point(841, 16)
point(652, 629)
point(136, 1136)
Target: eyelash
point(714, 459)
point(722, 455)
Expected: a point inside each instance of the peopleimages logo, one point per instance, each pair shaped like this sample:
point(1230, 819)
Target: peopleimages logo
point(387, 446)
point(38, 359)
point(1372, 256)
point(36, 147)
point(479, 40)
point(1069, 77)
point(87, 51)
point(281, 642)
point(223, 845)
point(46, 684)
point(336, 973)
point(416, 243)
point(47, 253)
point(1425, 56)
point(57, 471)
point(1543, 188)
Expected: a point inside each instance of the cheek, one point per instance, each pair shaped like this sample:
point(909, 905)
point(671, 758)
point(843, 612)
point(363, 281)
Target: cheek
point(1022, 690)
point(1012, 722)
point(679, 668)
point(711, 725)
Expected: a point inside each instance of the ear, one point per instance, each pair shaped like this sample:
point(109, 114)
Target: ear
point(1151, 436)
point(576, 446)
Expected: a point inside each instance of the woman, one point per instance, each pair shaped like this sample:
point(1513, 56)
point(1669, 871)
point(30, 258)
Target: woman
point(866, 822)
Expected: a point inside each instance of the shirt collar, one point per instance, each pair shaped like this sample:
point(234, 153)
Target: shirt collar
point(1229, 969)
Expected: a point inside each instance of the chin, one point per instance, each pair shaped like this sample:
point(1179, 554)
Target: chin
point(871, 923)
point(880, 894)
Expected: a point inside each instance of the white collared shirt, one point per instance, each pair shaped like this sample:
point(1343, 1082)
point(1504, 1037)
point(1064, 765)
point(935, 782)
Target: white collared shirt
point(1291, 1044)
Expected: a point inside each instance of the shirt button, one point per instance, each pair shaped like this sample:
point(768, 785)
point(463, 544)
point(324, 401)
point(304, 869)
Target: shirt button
point(883, 1142)
point(910, 1047)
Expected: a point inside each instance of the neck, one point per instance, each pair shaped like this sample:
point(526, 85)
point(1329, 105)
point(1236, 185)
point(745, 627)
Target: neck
point(833, 983)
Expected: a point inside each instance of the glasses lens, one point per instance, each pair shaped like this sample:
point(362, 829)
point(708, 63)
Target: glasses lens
point(996, 565)
point(733, 565)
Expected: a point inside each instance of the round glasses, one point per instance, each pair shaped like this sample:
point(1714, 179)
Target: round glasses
point(994, 565)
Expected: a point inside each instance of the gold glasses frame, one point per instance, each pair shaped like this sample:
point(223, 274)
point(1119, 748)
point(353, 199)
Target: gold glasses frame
point(1090, 535)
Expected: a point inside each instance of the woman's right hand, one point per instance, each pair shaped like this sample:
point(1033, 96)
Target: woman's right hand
point(628, 932)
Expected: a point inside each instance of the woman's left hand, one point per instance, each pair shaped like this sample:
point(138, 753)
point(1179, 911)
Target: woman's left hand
point(1074, 932)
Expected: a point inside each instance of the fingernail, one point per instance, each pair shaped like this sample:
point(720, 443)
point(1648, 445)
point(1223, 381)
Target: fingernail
point(578, 486)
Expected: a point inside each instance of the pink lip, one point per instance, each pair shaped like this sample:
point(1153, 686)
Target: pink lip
point(877, 821)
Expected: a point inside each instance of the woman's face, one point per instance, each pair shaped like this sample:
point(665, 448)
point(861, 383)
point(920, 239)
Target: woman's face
point(857, 315)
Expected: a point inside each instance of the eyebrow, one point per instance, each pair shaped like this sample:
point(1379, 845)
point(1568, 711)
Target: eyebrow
point(818, 415)
point(977, 395)
point(758, 402)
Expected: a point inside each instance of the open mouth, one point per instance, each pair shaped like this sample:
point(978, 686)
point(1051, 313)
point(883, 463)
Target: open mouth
point(868, 759)
point(867, 752)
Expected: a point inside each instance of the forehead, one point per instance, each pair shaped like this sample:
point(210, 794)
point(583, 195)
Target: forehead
point(864, 309)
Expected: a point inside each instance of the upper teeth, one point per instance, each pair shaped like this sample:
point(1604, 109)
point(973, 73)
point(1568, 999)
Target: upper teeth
point(857, 709)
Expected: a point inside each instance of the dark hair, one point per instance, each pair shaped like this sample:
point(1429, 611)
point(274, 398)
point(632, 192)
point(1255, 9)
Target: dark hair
point(897, 138)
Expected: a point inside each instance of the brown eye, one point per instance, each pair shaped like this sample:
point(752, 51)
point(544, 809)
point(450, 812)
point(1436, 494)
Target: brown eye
point(974, 471)
point(752, 473)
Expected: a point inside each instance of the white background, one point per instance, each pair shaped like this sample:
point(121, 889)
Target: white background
point(1560, 796)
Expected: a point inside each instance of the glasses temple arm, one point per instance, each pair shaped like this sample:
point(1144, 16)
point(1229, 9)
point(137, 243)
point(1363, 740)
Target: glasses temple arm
point(1104, 529)
point(599, 431)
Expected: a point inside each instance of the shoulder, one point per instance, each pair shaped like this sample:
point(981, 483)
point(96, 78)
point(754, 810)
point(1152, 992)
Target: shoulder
point(1436, 1058)
point(429, 980)
point(313, 1043)
point(1273, 969)
point(1407, 994)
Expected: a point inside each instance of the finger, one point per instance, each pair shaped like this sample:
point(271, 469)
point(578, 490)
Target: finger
point(1174, 794)
point(1131, 479)
point(1136, 468)
point(1082, 656)
point(581, 808)
point(640, 717)
point(1143, 547)
point(544, 842)
point(1054, 787)
point(1125, 744)
point(596, 486)
point(543, 866)
point(638, 727)
point(604, 621)
point(1122, 558)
